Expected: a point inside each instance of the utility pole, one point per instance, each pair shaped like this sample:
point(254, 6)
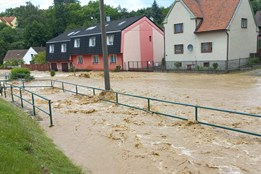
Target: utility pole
point(104, 47)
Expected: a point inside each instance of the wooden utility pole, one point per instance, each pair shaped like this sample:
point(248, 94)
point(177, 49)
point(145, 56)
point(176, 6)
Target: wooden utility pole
point(104, 47)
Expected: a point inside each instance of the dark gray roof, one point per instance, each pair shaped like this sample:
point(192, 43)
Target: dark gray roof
point(65, 37)
point(39, 49)
point(15, 54)
point(258, 18)
point(112, 26)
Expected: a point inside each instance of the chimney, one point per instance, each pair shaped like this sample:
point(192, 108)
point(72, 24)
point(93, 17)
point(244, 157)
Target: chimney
point(108, 18)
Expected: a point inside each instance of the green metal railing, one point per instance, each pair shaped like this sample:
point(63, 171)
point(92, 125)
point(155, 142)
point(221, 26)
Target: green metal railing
point(149, 100)
point(4, 85)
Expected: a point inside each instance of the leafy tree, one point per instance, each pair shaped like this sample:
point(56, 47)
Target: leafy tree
point(156, 13)
point(40, 58)
point(256, 4)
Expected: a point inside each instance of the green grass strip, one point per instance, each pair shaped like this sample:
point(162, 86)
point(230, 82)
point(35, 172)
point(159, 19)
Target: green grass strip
point(25, 149)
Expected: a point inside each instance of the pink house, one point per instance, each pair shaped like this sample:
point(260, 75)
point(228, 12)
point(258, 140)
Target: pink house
point(131, 40)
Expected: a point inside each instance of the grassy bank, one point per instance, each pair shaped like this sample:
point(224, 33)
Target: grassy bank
point(25, 149)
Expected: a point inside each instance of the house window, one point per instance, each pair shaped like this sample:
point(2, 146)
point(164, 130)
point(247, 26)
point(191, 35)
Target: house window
point(243, 23)
point(178, 49)
point(92, 42)
point(95, 59)
point(206, 47)
point(110, 39)
point(113, 58)
point(63, 48)
point(80, 60)
point(206, 64)
point(51, 49)
point(76, 43)
point(178, 28)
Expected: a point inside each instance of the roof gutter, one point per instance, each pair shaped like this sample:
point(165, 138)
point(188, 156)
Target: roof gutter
point(227, 50)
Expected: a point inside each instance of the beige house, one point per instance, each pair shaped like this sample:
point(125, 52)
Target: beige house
point(209, 31)
point(10, 21)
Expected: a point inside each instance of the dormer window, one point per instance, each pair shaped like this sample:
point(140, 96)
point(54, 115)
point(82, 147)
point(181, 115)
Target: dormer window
point(51, 49)
point(63, 48)
point(178, 28)
point(243, 23)
point(76, 43)
point(110, 39)
point(92, 42)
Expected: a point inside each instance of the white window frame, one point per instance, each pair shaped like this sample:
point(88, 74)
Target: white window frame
point(80, 60)
point(113, 58)
point(77, 43)
point(51, 48)
point(110, 39)
point(64, 48)
point(92, 41)
point(95, 59)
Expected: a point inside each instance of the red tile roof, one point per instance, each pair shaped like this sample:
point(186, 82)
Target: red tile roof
point(216, 14)
point(7, 20)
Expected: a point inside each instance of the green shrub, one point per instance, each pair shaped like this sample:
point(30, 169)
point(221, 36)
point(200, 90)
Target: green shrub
point(178, 64)
point(21, 73)
point(199, 68)
point(52, 73)
point(254, 60)
point(117, 69)
point(215, 66)
point(13, 62)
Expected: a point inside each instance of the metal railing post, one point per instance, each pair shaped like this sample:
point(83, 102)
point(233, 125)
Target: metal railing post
point(51, 83)
point(34, 113)
point(196, 113)
point(12, 95)
point(23, 83)
point(148, 105)
point(117, 98)
point(93, 91)
point(76, 89)
point(4, 89)
point(21, 97)
point(63, 86)
point(50, 113)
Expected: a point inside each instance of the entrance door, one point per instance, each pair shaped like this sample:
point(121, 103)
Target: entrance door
point(54, 66)
point(65, 67)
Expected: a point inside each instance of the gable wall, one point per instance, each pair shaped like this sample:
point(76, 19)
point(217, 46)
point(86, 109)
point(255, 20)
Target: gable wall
point(242, 41)
point(180, 14)
point(28, 56)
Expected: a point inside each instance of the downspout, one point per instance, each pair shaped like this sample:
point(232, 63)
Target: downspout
point(227, 51)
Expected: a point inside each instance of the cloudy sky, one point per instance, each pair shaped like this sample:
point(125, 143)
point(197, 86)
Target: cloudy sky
point(129, 4)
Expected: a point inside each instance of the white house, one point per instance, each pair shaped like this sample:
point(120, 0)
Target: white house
point(208, 31)
point(25, 55)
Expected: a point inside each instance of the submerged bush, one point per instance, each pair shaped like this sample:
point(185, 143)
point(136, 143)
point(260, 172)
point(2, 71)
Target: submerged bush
point(117, 69)
point(21, 73)
point(215, 66)
point(52, 73)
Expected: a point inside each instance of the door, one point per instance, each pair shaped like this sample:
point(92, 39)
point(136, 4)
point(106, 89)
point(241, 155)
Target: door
point(54, 66)
point(65, 67)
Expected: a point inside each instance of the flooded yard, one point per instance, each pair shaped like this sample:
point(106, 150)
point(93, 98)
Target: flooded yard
point(106, 138)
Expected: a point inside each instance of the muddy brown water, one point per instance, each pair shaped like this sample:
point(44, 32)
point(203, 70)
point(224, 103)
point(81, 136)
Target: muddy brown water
point(105, 138)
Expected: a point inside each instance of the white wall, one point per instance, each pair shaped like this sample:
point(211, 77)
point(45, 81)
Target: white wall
point(242, 41)
point(132, 47)
point(28, 56)
point(158, 45)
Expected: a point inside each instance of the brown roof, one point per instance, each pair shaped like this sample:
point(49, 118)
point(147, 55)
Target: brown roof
point(216, 14)
point(15, 54)
point(7, 20)
point(258, 18)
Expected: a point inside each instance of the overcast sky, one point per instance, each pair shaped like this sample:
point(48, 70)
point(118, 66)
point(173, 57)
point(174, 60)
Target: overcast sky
point(129, 4)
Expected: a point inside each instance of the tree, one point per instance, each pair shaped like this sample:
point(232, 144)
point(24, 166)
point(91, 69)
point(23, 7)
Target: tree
point(56, 2)
point(256, 4)
point(40, 58)
point(156, 13)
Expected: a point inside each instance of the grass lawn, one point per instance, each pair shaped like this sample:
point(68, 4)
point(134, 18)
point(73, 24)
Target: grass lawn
point(25, 149)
